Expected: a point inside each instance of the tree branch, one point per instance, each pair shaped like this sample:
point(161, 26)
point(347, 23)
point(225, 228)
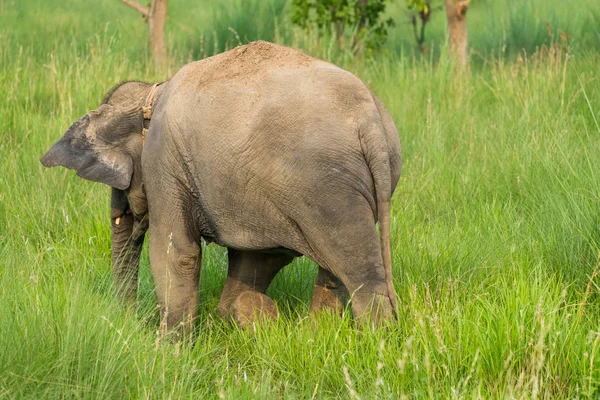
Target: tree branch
point(138, 7)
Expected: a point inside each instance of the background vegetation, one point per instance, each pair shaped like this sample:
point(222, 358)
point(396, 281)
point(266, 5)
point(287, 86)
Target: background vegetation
point(496, 221)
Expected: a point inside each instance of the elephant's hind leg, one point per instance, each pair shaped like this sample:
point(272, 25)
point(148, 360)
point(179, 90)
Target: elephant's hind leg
point(348, 247)
point(248, 278)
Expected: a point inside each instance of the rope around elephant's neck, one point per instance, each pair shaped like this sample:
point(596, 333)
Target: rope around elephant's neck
point(147, 110)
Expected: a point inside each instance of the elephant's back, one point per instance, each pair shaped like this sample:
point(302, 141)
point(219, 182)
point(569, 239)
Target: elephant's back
point(241, 64)
point(266, 94)
point(265, 69)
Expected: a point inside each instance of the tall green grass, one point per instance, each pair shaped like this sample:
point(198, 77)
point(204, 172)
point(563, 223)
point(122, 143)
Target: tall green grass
point(495, 229)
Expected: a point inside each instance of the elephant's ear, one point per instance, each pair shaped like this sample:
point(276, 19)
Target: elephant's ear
point(92, 161)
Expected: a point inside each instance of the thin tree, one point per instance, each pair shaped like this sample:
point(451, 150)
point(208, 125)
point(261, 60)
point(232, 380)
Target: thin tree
point(456, 11)
point(421, 14)
point(155, 16)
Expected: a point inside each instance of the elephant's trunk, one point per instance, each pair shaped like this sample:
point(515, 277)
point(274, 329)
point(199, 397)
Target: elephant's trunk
point(127, 242)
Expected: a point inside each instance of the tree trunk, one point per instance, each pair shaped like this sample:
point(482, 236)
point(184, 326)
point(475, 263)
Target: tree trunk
point(156, 17)
point(156, 30)
point(456, 11)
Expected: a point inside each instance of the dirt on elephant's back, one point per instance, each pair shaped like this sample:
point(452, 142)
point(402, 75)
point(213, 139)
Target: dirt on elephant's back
point(253, 58)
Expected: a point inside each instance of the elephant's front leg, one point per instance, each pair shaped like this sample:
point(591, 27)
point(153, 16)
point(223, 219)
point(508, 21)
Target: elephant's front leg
point(248, 278)
point(175, 258)
point(127, 242)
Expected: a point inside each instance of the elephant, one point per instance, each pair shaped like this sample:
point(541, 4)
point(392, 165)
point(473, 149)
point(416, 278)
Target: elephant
point(262, 149)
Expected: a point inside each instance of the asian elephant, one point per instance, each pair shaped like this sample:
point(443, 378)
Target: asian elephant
point(261, 149)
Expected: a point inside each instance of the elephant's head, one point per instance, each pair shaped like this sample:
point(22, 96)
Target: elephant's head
point(105, 145)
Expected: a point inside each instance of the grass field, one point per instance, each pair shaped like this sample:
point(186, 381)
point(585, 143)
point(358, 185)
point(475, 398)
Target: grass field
point(495, 231)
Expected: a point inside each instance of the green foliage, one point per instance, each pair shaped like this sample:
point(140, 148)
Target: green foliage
point(421, 13)
point(419, 5)
point(363, 18)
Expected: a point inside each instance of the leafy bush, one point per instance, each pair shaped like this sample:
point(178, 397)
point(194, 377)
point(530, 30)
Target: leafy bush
point(361, 18)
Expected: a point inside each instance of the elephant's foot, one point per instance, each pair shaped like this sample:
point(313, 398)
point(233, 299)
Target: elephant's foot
point(324, 299)
point(372, 309)
point(249, 307)
point(329, 294)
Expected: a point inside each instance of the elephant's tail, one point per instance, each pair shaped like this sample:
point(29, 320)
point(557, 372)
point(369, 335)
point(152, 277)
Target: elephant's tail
point(376, 151)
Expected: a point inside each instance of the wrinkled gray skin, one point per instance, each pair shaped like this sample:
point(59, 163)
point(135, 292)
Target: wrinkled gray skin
point(262, 149)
